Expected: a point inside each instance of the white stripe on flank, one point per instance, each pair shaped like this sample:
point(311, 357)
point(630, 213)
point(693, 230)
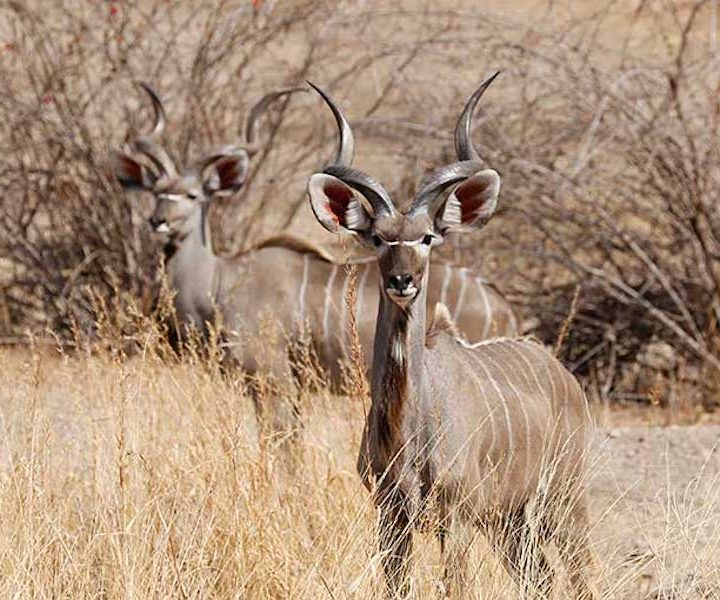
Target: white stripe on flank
point(326, 307)
point(564, 398)
point(487, 342)
point(553, 390)
point(511, 441)
point(301, 293)
point(521, 403)
point(343, 316)
point(481, 388)
point(486, 302)
point(446, 283)
point(532, 370)
point(461, 295)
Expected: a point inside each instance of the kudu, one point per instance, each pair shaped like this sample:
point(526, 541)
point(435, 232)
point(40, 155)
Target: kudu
point(283, 278)
point(485, 432)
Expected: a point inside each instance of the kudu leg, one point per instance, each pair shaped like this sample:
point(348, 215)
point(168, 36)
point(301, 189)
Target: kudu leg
point(520, 547)
point(455, 541)
point(277, 414)
point(395, 542)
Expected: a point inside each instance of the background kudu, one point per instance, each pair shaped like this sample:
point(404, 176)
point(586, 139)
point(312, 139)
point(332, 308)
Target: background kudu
point(488, 430)
point(283, 279)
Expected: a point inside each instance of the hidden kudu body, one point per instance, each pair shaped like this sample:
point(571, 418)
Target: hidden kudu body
point(290, 282)
point(481, 432)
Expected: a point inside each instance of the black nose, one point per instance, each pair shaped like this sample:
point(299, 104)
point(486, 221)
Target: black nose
point(400, 282)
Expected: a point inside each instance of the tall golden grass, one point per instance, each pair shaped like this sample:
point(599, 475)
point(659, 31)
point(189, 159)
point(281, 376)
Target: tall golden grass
point(144, 478)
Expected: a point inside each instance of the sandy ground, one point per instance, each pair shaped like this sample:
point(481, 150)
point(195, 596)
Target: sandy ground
point(654, 494)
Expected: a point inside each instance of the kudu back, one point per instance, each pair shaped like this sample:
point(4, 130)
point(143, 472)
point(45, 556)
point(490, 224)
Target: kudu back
point(282, 281)
point(491, 434)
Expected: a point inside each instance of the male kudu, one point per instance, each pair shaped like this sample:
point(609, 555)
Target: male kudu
point(289, 281)
point(485, 432)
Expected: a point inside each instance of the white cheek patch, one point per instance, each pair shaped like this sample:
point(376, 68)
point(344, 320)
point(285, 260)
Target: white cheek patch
point(405, 242)
point(162, 228)
point(418, 242)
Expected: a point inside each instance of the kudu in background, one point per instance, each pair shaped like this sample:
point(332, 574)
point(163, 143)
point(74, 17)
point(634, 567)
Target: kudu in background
point(483, 432)
point(283, 279)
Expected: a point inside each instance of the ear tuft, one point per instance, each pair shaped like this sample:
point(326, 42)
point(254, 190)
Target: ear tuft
point(472, 203)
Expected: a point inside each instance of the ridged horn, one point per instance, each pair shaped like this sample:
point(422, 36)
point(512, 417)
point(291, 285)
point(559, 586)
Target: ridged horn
point(346, 144)
point(147, 144)
point(252, 124)
point(340, 165)
point(468, 163)
point(464, 147)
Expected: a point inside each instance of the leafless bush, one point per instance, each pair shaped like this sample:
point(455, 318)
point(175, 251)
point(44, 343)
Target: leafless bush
point(607, 147)
point(617, 179)
point(67, 236)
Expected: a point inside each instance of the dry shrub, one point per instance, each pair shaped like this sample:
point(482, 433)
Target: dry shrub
point(67, 234)
point(603, 126)
point(610, 159)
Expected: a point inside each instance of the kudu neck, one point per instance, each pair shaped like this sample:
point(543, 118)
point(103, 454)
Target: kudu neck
point(196, 234)
point(191, 250)
point(398, 360)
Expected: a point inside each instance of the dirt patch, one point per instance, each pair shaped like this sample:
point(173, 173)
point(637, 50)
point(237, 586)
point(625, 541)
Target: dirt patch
point(654, 494)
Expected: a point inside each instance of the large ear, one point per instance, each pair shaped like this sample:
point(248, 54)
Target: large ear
point(227, 173)
point(471, 203)
point(130, 173)
point(336, 205)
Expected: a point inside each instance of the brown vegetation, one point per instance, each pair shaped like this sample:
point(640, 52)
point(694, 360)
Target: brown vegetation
point(138, 478)
point(603, 125)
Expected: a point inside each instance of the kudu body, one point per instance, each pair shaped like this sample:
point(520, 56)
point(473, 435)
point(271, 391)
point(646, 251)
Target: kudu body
point(483, 432)
point(284, 279)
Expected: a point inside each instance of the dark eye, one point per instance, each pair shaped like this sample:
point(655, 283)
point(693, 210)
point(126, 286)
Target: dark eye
point(427, 240)
point(376, 240)
point(192, 195)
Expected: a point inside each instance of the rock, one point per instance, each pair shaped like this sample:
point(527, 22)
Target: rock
point(660, 356)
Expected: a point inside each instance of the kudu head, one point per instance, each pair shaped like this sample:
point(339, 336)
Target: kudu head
point(458, 197)
point(145, 164)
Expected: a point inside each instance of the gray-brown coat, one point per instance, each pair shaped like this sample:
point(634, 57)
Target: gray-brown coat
point(486, 431)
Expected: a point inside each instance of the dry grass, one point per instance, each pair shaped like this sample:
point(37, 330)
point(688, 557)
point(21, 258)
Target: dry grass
point(138, 479)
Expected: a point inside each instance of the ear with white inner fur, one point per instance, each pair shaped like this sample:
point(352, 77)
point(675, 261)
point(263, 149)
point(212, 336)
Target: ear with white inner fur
point(227, 173)
point(336, 205)
point(471, 203)
point(130, 173)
